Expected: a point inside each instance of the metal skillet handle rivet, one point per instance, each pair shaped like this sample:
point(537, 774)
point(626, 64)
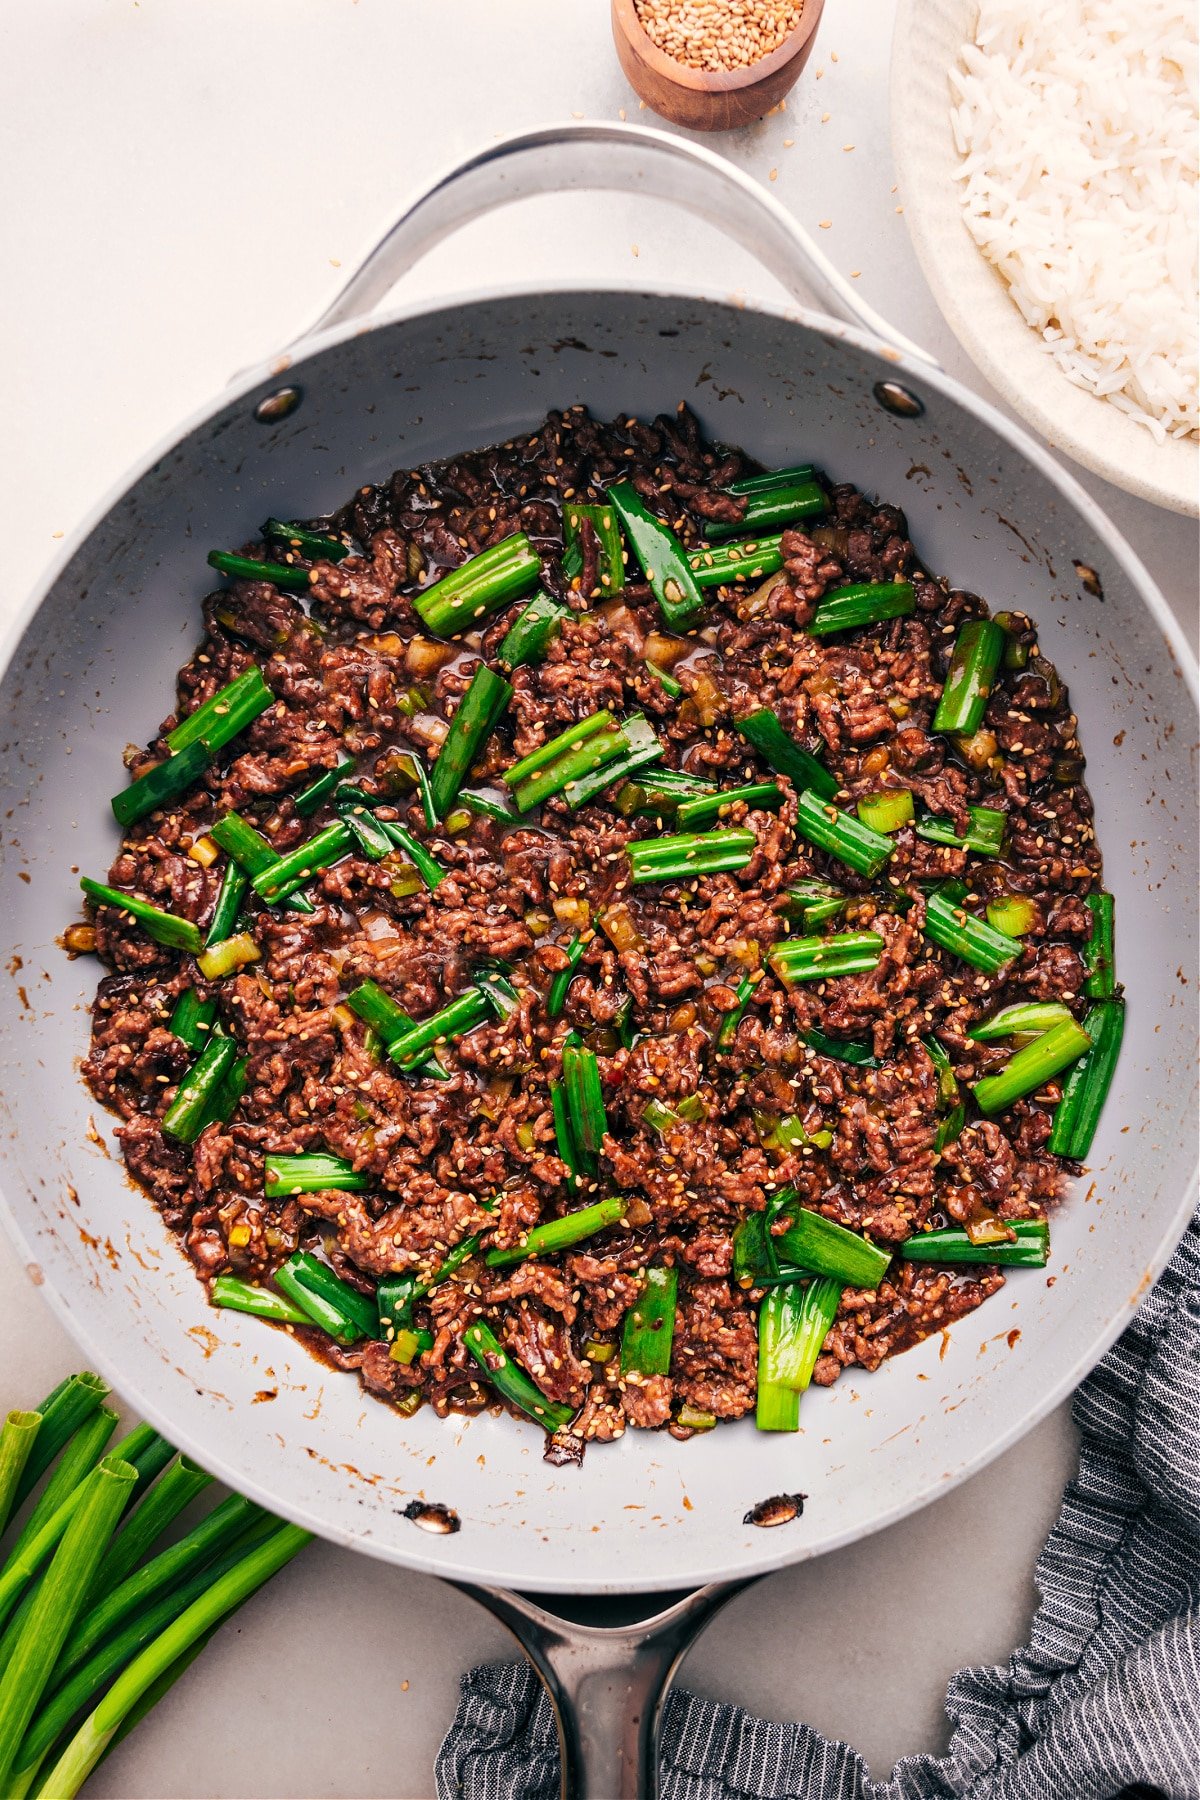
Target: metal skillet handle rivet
point(898, 399)
point(278, 404)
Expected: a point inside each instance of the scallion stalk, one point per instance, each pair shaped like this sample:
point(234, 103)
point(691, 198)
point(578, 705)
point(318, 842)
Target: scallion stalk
point(316, 546)
point(336, 1307)
point(247, 568)
point(887, 810)
point(560, 1234)
point(974, 662)
point(185, 1119)
point(164, 927)
point(759, 794)
point(473, 722)
point(680, 857)
point(260, 1302)
point(1085, 1090)
point(649, 1328)
point(1025, 1015)
point(863, 603)
point(453, 1020)
point(227, 955)
point(481, 585)
point(778, 502)
point(821, 958)
point(1098, 953)
point(751, 560)
point(585, 1101)
point(984, 833)
point(603, 521)
point(764, 731)
point(535, 629)
point(226, 713)
point(290, 872)
point(310, 1172)
point(814, 1242)
point(661, 557)
point(952, 928)
point(841, 835)
point(1030, 1068)
point(511, 1382)
point(1028, 1249)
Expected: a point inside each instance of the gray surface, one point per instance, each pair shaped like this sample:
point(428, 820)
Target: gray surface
point(158, 146)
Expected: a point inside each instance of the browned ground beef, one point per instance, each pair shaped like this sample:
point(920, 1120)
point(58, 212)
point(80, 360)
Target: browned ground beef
point(354, 673)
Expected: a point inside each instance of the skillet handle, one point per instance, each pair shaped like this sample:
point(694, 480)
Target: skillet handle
point(626, 159)
point(606, 1683)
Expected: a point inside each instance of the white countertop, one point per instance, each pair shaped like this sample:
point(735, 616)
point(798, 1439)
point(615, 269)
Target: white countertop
point(188, 185)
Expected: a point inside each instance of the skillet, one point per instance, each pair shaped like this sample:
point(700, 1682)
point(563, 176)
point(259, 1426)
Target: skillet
point(90, 665)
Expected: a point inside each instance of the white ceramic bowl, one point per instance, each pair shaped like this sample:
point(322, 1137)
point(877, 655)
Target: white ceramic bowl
point(974, 298)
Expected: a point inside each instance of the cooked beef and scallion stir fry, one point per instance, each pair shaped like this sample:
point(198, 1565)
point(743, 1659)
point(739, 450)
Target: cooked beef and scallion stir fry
point(604, 930)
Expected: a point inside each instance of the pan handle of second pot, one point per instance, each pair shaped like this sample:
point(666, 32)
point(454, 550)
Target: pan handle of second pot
point(623, 158)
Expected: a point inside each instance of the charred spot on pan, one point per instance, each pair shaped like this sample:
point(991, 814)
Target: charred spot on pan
point(1089, 581)
point(779, 1509)
point(432, 1516)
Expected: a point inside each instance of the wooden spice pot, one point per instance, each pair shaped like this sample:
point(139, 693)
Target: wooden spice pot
point(705, 100)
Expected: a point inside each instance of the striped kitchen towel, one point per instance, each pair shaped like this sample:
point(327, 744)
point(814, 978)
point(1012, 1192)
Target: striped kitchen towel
point(1103, 1701)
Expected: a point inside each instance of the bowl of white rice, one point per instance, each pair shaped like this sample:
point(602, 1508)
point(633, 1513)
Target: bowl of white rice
point(1046, 152)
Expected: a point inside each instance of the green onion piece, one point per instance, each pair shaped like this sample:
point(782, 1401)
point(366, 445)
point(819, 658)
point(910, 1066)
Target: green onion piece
point(840, 1050)
point(709, 806)
point(424, 862)
point(1086, 1088)
point(789, 1133)
point(1030, 1068)
point(1026, 1015)
point(252, 853)
point(309, 1172)
point(220, 1597)
point(246, 568)
point(389, 1021)
point(973, 666)
point(185, 1119)
point(817, 1243)
point(597, 1352)
point(56, 1605)
point(369, 833)
point(192, 1019)
point(768, 479)
point(219, 719)
point(481, 585)
point(818, 958)
point(317, 546)
point(950, 1128)
point(511, 1382)
point(649, 1327)
point(224, 957)
point(679, 857)
point(585, 1100)
point(984, 833)
point(500, 994)
point(886, 811)
point(672, 688)
point(659, 791)
point(812, 902)
point(568, 1151)
point(727, 1030)
point(232, 892)
point(976, 942)
point(764, 732)
point(755, 1263)
point(661, 557)
point(245, 1296)
point(641, 747)
point(309, 799)
point(290, 872)
point(470, 728)
point(488, 808)
point(16, 1442)
point(460, 1016)
point(556, 747)
point(330, 1303)
point(947, 1082)
point(793, 1323)
point(164, 927)
point(841, 835)
point(1098, 955)
point(560, 1234)
point(535, 629)
point(1012, 914)
point(691, 1418)
point(659, 1116)
point(603, 521)
point(161, 785)
point(556, 999)
point(866, 603)
point(752, 560)
point(776, 504)
point(1030, 1249)
point(407, 1345)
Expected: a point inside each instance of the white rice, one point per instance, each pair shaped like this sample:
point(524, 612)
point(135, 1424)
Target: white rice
point(1077, 124)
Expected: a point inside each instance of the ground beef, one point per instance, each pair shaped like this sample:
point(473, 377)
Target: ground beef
point(671, 989)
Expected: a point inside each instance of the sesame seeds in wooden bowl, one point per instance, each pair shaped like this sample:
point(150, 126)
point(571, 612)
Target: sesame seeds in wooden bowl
point(713, 64)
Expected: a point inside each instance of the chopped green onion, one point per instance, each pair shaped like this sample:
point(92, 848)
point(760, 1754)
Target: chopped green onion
point(309, 798)
point(535, 629)
point(317, 546)
point(649, 1326)
point(560, 1234)
point(161, 785)
point(817, 958)
point(407, 1345)
point(556, 999)
point(354, 810)
point(193, 1018)
point(247, 568)
point(814, 1242)
point(309, 1172)
point(691, 1418)
point(947, 1081)
point(568, 1151)
point(976, 942)
point(841, 835)
point(1012, 914)
point(488, 808)
point(336, 1307)
point(1029, 1249)
point(727, 1029)
point(244, 1296)
point(659, 791)
point(679, 857)
point(886, 811)
point(1098, 955)
point(984, 833)
point(252, 854)
point(709, 806)
point(480, 586)
point(585, 1100)
point(1086, 1088)
point(812, 902)
point(186, 1116)
point(424, 862)
point(840, 1049)
point(1026, 1015)
point(973, 667)
point(790, 1133)
point(454, 1020)
point(661, 557)
point(511, 1382)
point(672, 688)
point(229, 954)
point(164, 927)
point(768, 479)
point(641, 747)
point(950, 1128)
point(500, 994)
point(793, 1323)
point(290, 872)
point(752, 560)
point(568, 751)
point(470, 728)
point(234, 883)
point(763, 731)
point(1030, 1068)
point(775, 503)
point(865, 603)
point(223, 715)
point(603, 521)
